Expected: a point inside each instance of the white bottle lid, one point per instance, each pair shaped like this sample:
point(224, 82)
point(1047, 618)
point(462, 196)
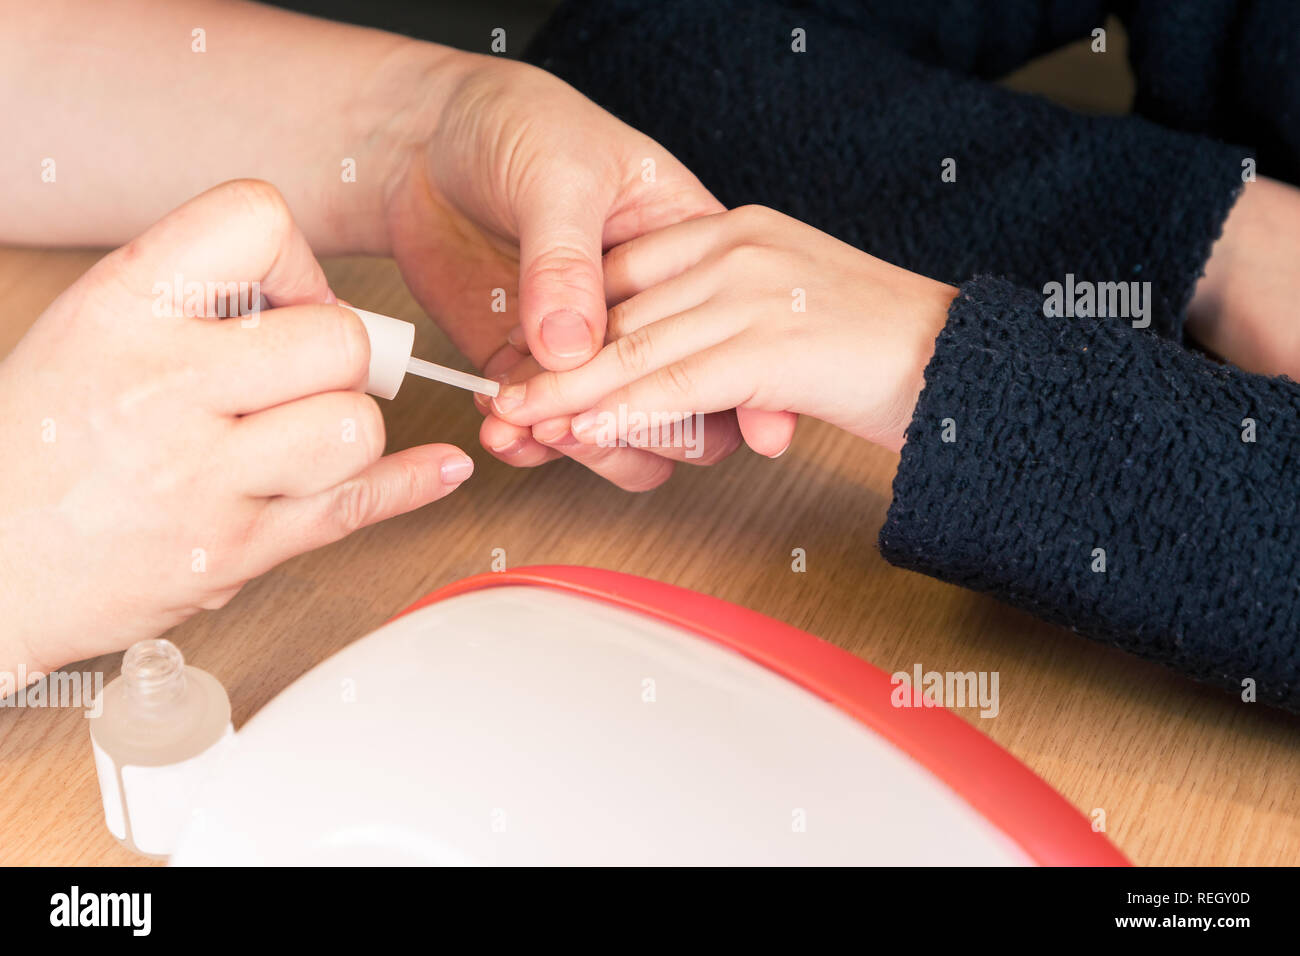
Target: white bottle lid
point(391, 342)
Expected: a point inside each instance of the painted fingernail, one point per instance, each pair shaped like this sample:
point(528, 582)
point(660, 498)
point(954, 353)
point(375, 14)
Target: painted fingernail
point(456, 469)
point(510, 396)
point(516, 339)
point(565, 333)
point(584, 423)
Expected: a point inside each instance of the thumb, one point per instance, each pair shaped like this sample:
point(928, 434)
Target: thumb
point(561, 290)
point(240, 231)
point(768, 433)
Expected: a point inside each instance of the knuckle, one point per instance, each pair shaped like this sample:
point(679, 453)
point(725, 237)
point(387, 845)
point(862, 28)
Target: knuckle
point(411, 483)
point(675, 380)
point(742, 256)
point(262, 201)
point(215, 602)
point(547, 389)
point(633, 352)
point(618, 321)
point(565, 268)
point(752, 216)
point(126, 268)
point(129, 254)
point(355, 500)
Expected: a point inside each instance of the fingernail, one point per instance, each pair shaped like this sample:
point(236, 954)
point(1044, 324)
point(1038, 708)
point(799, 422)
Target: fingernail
point(783, 450)
point(484, 402)
point(510, 447)
point(516, 339)
point(557, 434)
point(565, 333)
point(510, 396)
point(584, 423)
point(456, 469)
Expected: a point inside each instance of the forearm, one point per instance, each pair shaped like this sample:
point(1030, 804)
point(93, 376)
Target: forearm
point(113, 117)
point(1109, 481)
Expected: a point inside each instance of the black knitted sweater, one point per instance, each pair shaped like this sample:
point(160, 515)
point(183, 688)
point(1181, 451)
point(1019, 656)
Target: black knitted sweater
point(1101, 476)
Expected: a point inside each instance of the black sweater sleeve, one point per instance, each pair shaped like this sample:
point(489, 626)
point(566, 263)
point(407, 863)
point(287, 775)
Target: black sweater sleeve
point(852, 136)
point(1112, 482)
point(1223, 68)
point(1076, 440)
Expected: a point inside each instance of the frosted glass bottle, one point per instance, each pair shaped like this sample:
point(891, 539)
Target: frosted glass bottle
point(161, 727)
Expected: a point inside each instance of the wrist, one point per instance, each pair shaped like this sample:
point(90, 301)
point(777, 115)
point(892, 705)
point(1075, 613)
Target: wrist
point(1207, 320)
point(386, 128)
point(927, 308)
point(1244, 307)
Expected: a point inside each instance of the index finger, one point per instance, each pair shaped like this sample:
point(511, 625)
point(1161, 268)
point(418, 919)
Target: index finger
point(640, 352)
point(287, 354)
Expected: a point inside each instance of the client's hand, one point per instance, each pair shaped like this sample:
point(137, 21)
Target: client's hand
point(505, 186)
point(1247, 305)
point(751, 310)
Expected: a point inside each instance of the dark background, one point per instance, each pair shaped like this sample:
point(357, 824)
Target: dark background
point(467, 24)
point(1071, 76)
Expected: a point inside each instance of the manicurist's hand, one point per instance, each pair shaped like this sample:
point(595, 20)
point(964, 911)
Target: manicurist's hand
point(495, 185)
point(155, 459)
point(753, 310)
point(498, 217)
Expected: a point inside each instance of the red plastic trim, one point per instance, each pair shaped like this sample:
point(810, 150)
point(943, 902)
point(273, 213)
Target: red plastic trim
point(1009, 795)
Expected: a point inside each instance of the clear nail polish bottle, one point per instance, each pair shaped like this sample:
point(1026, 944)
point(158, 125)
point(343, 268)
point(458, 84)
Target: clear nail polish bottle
point(161, 726)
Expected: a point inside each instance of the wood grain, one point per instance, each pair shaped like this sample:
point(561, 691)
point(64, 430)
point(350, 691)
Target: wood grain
point(1184, 774)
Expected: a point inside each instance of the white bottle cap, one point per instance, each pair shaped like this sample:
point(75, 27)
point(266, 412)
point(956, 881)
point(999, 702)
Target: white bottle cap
point(391, 341)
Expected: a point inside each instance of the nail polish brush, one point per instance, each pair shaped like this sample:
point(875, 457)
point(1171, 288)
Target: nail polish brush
point(391, 341)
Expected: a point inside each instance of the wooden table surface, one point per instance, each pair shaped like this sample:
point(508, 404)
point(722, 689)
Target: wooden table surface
point(1184, 774)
